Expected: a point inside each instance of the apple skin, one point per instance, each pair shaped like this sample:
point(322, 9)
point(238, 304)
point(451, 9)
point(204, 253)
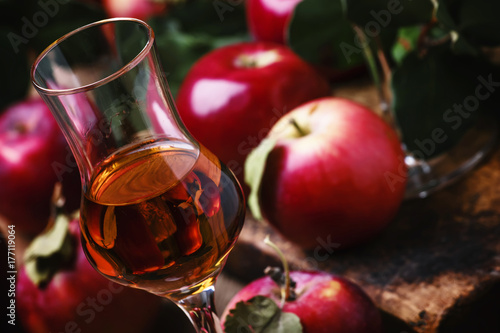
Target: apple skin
point(325, 303)
point(233, 95)
point(30, 143)
point(344, 179)
point(79, 299)
point(268, 20)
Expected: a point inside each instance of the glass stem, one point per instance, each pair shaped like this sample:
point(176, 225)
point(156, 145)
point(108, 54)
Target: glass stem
point(200, 309)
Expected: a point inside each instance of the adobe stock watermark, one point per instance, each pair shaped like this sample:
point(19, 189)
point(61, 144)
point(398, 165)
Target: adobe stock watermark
point(101, 129)
point(223, 6)
point(98, 133)
point(322, 252)
point(88, 309)
point(453, 117)
point(373, 28)
point(31, 26)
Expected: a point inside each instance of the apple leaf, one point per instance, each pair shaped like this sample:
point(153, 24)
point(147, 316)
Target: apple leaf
point(406, 42)
point(383, 14)
point(475, 23)
point(261, 315)
point(255, 165)
point(320, 33)
point(435, 103)
point(48, 251)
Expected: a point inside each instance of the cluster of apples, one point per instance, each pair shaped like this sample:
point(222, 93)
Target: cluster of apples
point(331, 166)
point(316, 165)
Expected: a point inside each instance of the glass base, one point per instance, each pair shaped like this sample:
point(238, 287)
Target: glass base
point(428, 176)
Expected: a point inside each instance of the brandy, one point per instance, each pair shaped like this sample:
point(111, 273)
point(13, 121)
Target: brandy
point(161, 215)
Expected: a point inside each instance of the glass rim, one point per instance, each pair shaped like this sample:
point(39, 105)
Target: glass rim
point(124, 69)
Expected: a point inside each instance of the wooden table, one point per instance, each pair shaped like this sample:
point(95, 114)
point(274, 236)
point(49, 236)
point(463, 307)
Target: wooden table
point(436, 268)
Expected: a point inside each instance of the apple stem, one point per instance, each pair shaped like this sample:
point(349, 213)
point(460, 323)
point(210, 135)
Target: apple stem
point(297, 127)
point(422, 43)
point(285, 291)
point(21, 128)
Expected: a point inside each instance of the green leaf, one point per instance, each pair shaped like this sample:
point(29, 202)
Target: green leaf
point(255, 165)
point(384, 14)
point(406, 42)
point(474, 24)
point(320, 33)
point(261, 315)
point(49, 251)
point(436, 98)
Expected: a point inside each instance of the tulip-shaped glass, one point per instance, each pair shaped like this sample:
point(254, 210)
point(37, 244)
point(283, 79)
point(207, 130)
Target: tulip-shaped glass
point(159, 211)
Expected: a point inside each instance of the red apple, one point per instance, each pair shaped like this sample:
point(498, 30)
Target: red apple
point(232, 96)
point(336, 171)
point(74, 297)
point(324, 303)
point(268, 19)
point(141, 9)
point(34, 156)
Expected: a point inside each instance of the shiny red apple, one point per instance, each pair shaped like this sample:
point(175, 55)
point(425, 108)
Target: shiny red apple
point(232, 96)
point(34, 156)
point(324, 303)
point(336, 172)
point(268, 19)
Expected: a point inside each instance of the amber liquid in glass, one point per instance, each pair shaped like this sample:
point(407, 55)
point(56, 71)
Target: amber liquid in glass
point(161, 215)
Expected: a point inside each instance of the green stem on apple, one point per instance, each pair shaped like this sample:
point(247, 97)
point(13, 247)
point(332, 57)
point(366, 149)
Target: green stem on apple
point(285, 291)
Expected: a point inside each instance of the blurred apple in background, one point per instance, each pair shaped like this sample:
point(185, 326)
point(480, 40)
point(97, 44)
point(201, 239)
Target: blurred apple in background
point(232, 96)
point(268, 19)
point(34, 156)
point(59, 291)
point(141, 9)
point(334, 171)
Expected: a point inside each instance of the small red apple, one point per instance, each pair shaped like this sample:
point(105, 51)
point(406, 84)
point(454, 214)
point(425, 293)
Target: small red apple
point(324, 303)
point(141, 9)
point(34, 156)
point(232, 96)
point(336, 170)
point(68, 295)
point(268, 19)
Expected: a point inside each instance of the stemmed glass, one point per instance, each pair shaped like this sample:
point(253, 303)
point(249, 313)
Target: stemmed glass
point(159, 211)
